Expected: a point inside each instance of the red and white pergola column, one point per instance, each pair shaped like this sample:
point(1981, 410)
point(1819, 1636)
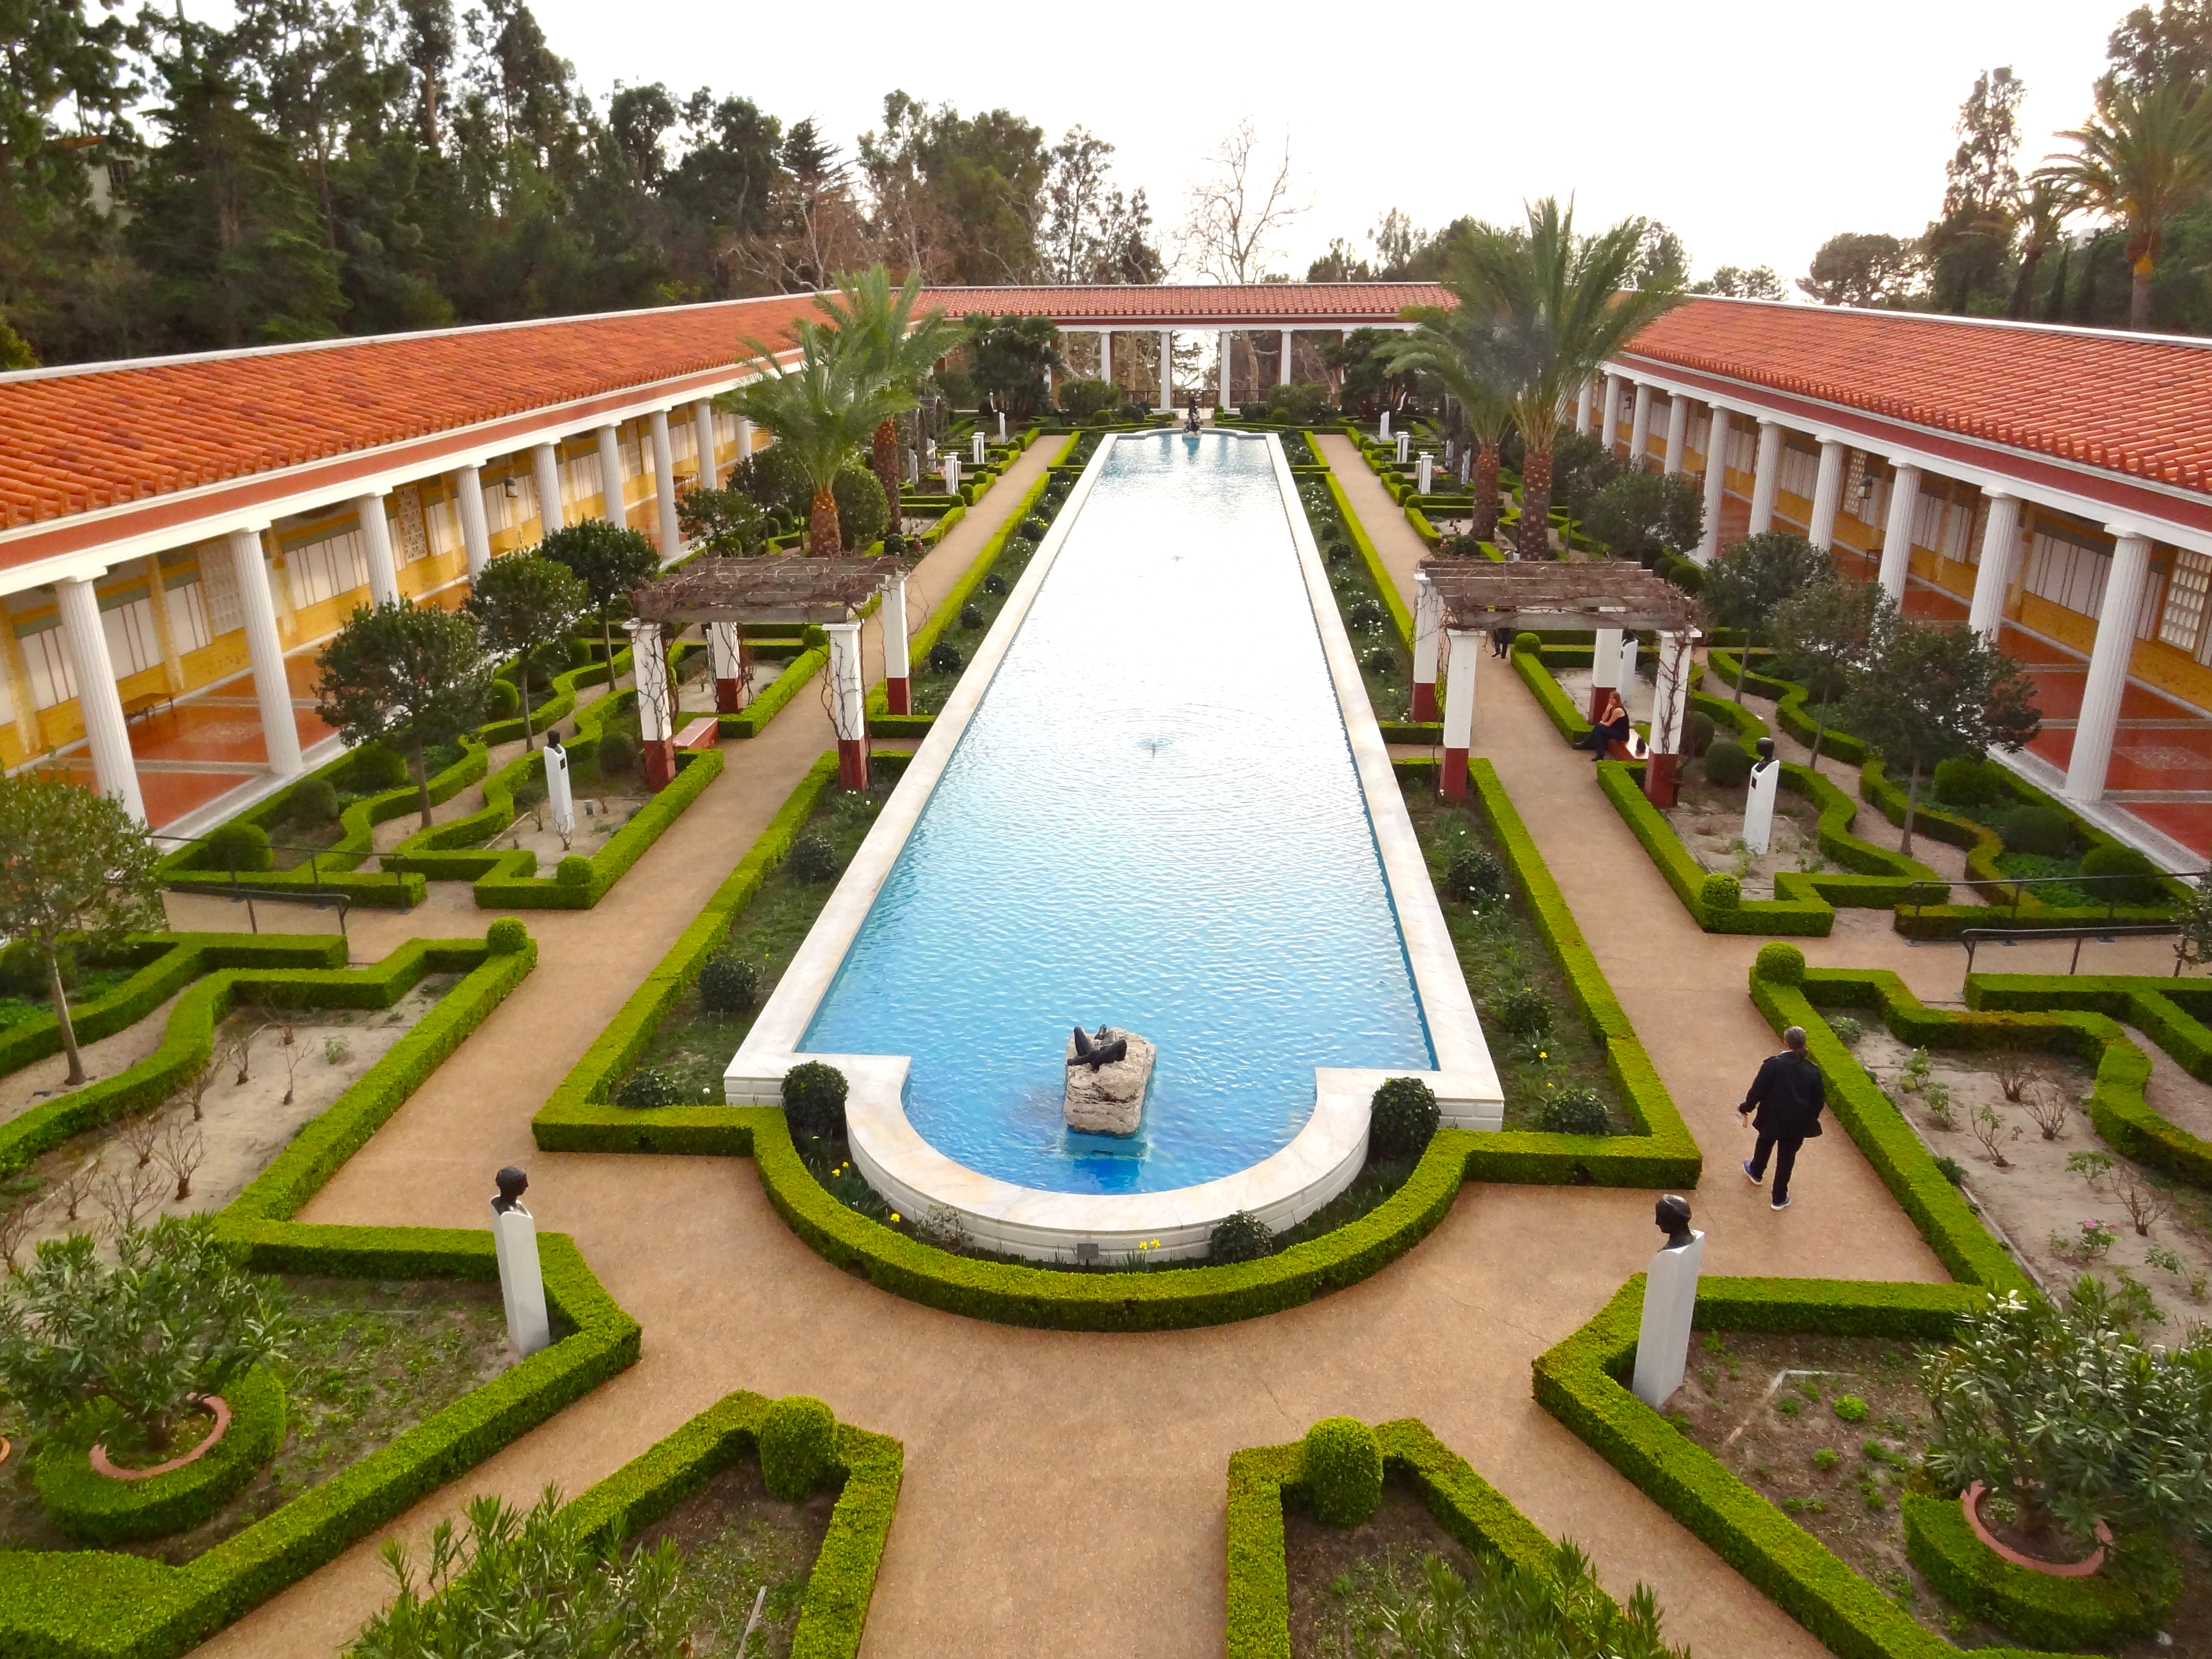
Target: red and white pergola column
point(1670, 717)
point(1428, 625)
point(1605, 671)
point(896, 667)
point(726, 646)
point(656, 702)
point(847, 713)
point(1461, 648)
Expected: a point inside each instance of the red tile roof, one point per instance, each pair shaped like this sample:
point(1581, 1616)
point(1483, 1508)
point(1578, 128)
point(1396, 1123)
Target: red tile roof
point(2127, 404)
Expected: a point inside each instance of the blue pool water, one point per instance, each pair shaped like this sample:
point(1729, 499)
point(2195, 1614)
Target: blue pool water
point(1153, 821)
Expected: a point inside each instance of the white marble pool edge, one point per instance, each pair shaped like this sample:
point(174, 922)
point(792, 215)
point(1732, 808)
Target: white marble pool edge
point(924, 1185)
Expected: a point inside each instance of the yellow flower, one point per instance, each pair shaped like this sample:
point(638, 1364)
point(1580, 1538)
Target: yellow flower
point(894, 1215)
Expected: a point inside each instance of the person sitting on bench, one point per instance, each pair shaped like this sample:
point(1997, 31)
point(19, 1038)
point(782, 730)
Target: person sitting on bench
point(1612, 728)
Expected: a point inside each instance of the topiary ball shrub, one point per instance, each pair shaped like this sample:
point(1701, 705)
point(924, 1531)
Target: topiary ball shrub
point(797, 1448)
point(1343, 1477)
point(575, 871)
point(971, 617)
point(1574, 1112)
point(645, 1088)
point(1779, 964)
point(812, 858)
point(239, 846)
point(506, 936)
point(313, 803)
point(2040, 830)
point(1720, 895)
point(1726, 763)
point(728, 984)
point(1525, 1012)
point(1968, 782)
point(1402, 1119)
point(2120, 875)
point(994, 583)
point(1475, 876)
point(814, 1100)
point(502, 701)
point(1239, 1237)
point(375, 769)
point(1379, 661)
point(617, 754)
point(944, 657)
point(1527, 644)
point(1698, 734)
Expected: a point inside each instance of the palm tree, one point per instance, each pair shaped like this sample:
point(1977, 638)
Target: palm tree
point(824, 408)
point(2144, 158)
point(896, 347)
point(1457, 346)
point(2042, 212)
point(1553, 306)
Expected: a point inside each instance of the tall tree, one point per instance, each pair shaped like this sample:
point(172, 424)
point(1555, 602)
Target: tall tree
point(2142, 159)
point(1008, 357)
point(1459, 345)
point(74, 865)
point(1928, 692)
point(1557, 305)
point(1969, 244)
point(1754, 578)
point(1862, 268)
point(893, 347)
point(1641, 514)
point(826, 408)
point(1735, 283)
point(611, 561)
point(412, 674)
point(524, 604)
point(1239, 208)
point(1821, 635)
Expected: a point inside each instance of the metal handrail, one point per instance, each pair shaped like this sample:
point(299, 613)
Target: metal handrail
point(1974, 937)
point(1915, 890)
point(315, 894)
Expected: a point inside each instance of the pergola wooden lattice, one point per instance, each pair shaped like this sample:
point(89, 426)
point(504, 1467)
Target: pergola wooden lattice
point(790, 588)
point(1596, 594)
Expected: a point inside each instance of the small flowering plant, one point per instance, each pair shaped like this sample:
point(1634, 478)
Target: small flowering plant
point(2096, 1238)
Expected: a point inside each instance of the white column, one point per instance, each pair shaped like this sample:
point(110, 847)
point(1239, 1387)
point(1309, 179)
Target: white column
point(656, 701)
point(157, 604)
point(1766, 479)
point(1228, 348)
point(2109, 658)
point(545, 469)
point(745, 439)
point(376, 547)
point(1428, 619)
point(476, 533)
point(1106, 354)
point(1827, 492)
point(1670, 700)
point(1897, 538)
point(113, 766)
point(727, 652)
point(1605, 670)
point(1462, 648)
point(1609, 432)
point(279, 734)
point(1716, 447)
point(2000, 554)
point(1639, 431)
point(614, 503)
point(663, 486)
point(1283, 377)
point(702, 433)
point(891, 619)
point(848, 712)
point(1167, 369)
point(1678, 432)
point(1583, 407)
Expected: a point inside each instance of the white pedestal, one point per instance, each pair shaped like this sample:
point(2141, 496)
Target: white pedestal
point(952, 475)
point(521, 1284)
point(1428, 471)
point(1386, 423)
point(1670, 1303)
point(1002, 424)
point(1625, 674)
point(979, 449)
point(560, 801)
point(1405, 447)
point(1759, 805)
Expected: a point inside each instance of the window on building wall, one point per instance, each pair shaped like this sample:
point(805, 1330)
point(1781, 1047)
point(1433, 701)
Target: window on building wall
point(1743, 447)
point(322, 569)
point(2066, 572)
point(219, 588)
point(631, 441)
point(584, 478)
point(1699, 434)
point(133, 646)
point(46, 660)
point(188, 614)
point(1800, 472)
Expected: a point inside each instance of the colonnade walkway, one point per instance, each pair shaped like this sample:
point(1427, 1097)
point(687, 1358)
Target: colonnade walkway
point(1064, 1492)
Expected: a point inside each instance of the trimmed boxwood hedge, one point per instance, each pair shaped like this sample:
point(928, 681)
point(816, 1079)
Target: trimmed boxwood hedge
point(1465, 1505)
point(97, 1605)
point(100, 1511)
point(1582, 1383)
point(753, 720)
point(2078, 1613)
point(869, 1466)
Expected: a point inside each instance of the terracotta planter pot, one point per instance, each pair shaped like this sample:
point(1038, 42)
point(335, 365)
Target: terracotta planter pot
point(6, 1446)
point(1971, 1502)
point(215, 1403)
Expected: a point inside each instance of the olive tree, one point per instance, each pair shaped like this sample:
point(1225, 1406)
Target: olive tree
point(524, 604)
point(411, 674)
point(173, 1316)
point(73, 865)
point(610, 560)
point(1754, 578)
point(1820, 634)
point(1640, 515)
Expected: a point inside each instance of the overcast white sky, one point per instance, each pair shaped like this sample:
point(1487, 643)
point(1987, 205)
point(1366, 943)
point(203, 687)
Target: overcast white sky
point(1755, 129)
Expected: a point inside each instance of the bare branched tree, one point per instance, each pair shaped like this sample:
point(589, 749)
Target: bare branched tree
point(139, 1134)
point(180, 1152)
point(127, 1194)
point(1238, 210)
point(2144, 1203)
point(14, 1225)
point(74, 1189)
point(194, 1093)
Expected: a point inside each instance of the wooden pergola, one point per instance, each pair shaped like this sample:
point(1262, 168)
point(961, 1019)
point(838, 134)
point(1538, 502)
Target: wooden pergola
point(1597, 593)
point(789, 588)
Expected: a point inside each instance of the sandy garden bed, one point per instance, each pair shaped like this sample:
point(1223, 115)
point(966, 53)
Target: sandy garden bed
point(2066, 1204)
point(737, 1541)
point(1710, 821)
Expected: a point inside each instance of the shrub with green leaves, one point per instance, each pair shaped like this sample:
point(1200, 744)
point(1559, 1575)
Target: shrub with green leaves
point(617, 753)
point(174, 1315)
point(729, 983)
point(2120, 875)
point(1577, 1111)
point(797, 1448)
point(502, 701)
point(1697, 733)
point(1379, 661)
point(1726, 764)
point(1364, 613)
point(2041, 829)
point(1239, 1237)
point(1524, 1012)
point(814, 1100)
point(1403, 1119)
point(375, 768)
point(944, 657)
point(1556, 1609)
point(971, 617)
point(994, 584)
point(646, 1088)
point(239, 846)
point(1968, 781)
point(506, 936)
point(1779, 964)
point(1475, 876)
point(313, 803)
point(1343, 1478)
point(574, 870)
point(812, 858)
